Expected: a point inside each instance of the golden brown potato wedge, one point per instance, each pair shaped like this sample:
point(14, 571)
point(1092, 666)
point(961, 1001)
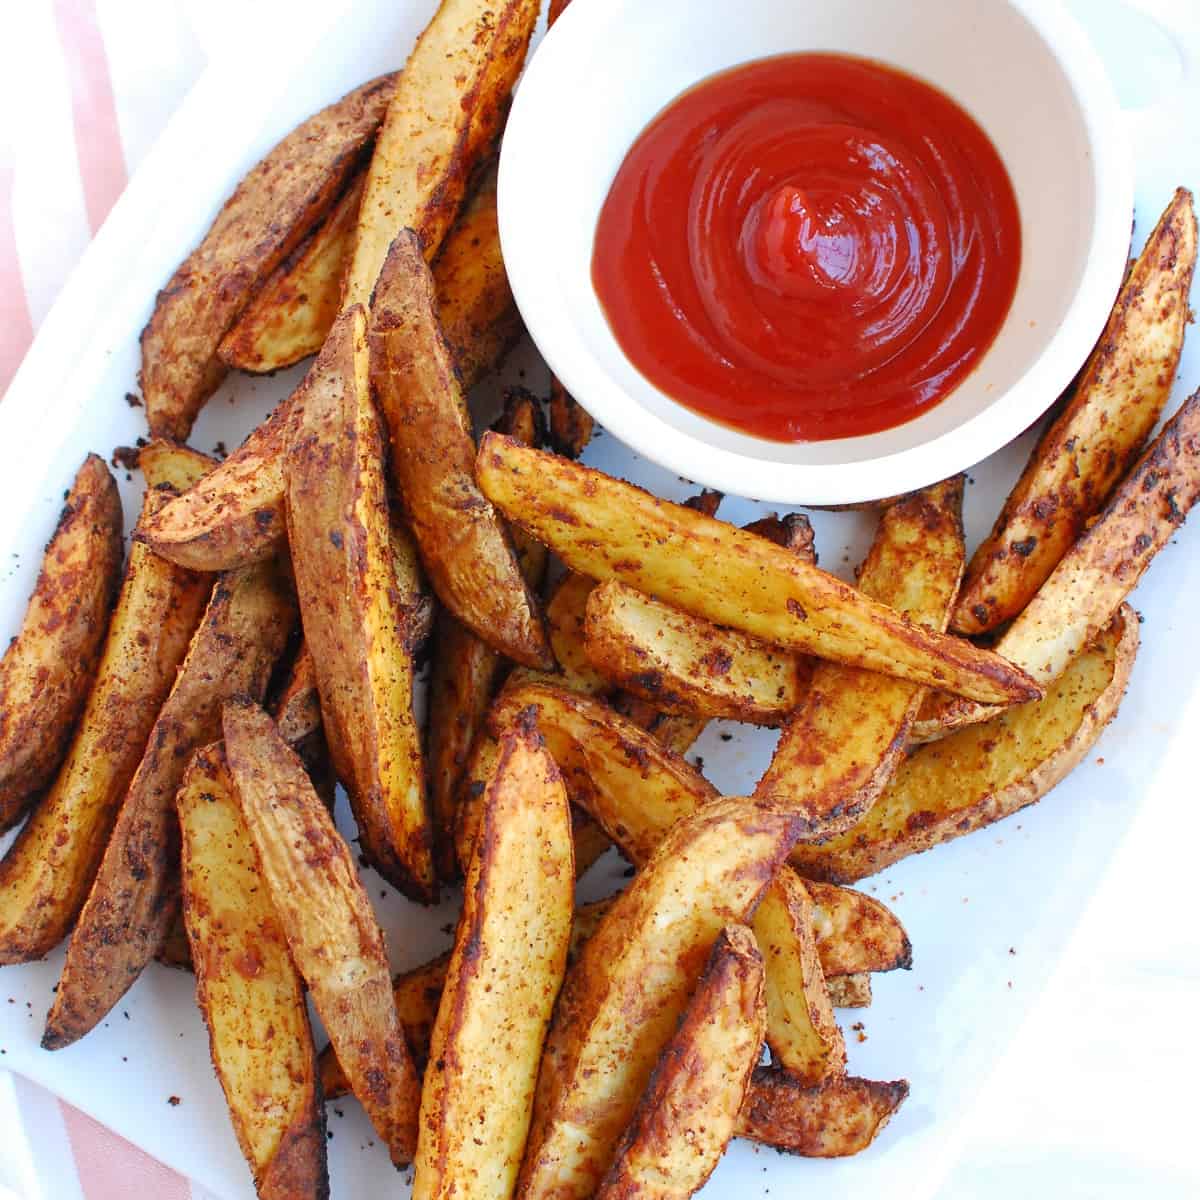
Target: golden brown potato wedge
point(45, 876)
point(505, 971)
point(168, 463)
point(331, 930)
point(837, 1119)
point(134, 897)
point(356, 623)
point(689, 1110)
point(606, 528)
point(1088, 586)
point(571, 424)
point(850, 991)
point(447, 109)
point(982, 774)
point(464, 544)
point(621, 1000)
point(47, 669)
point(843, 742)
point(297, 708)
point(250, 994)
point(1089, 446)
point(855, 933)
point(269, 213)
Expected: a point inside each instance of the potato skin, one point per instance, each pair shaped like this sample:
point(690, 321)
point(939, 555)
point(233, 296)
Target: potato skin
point(248, 991)
point(689, 1110)
point(271, 210)
point(1088, 447)
point(134, 897)
point(46, 671)
point(45, 876)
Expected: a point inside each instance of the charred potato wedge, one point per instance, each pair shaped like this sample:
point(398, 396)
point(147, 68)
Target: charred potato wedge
point(45, 876)
point(1091, 443)
point(134, 897)
point(269, 213)
point(46, 671)
point(464, 545)
point(986, 772)
point(331, 930)
point(356, 623)
point(505, 971)
point(689, 1111)
point(258, 1029)
point(608, 529)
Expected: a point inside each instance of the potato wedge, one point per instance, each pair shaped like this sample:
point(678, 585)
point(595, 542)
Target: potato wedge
point(844, 741)
point(47, 669)
point(606, 528)
point(1089, 446)
point(689, 1110)
point(850, 991)
point(1088, 586)
point(986, 772)
point(176, 466)
point(464, 544)
point(45, 876)
point(250, 994)
point(447, 109)
point(505, 971)
point(841, 1117)
point(355, 622)
point(269, 213)
point(331, 930)
point(297, 708)
point(571, 425)
point(621, 1000)
point(855, 933)
point(134, 897)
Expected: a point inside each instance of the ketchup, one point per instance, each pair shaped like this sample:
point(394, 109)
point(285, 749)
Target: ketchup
point(807, 247)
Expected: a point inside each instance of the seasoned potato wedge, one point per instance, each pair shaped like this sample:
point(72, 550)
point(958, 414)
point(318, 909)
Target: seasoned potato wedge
point(176, 466)
point(134, 897)
point(269, 213)
point(1090, 444)
point(837, 1119)
point(621, 1000)
point(464, 544)
point(45, 876)
point(505, 971)
point(355, 621)
point(46, 671)
point(331, 930)
point(843, 743)
point(855, 933)
point(689, 1110)
point(249, 993)
point(447, 109)
point(850, 991)
point(1088, 586)
point(571, 424)
point(297, 708)
point(986, 772)
point(606, 528)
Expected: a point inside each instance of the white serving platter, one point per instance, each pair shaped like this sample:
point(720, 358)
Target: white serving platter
point(1023, 885)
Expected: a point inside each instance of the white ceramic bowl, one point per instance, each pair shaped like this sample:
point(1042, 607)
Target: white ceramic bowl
point(1022, 68)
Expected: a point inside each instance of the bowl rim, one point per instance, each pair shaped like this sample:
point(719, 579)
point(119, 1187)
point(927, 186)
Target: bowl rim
point(1011, 412)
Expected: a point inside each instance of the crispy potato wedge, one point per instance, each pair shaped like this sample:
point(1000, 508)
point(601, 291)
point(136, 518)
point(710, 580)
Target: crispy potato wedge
point(844, 741)
point(464, 544)
point(134, 897)
point(269, 213)
point(176, 466)
point(1088, 586)
point(1089, 446)
point(837, 1119)
point(467, 671)
point(510, 951)
point(855, 933)
point(331, 930)
point(47, 669)
point(447, 109)
point(986, 772)
point(297, 708)
point(606, 528)
point(45, 876)
point(250, 994)
point(571, 425)
point(685, 664)
point(621, 1000)
point(850, 991)
point(689, 1110)
point(355, 619)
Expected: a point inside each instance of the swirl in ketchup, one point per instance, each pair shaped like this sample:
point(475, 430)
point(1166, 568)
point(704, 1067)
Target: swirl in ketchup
point(807, 247)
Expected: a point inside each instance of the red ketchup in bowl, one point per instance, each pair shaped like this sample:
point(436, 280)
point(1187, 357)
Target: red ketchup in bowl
point(810, 246)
